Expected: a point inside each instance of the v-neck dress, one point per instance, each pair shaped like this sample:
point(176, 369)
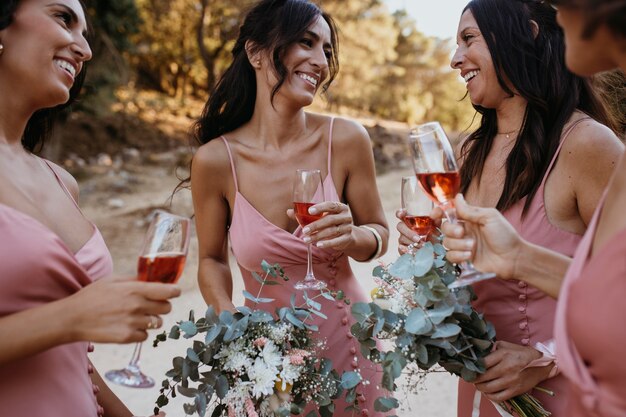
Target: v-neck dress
point(521, 313)
point(253, 239)
point(36, 268)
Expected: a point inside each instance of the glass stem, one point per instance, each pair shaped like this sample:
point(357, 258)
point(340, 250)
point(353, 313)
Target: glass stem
point(134, 361)
point(450, 213)
point(309, 265)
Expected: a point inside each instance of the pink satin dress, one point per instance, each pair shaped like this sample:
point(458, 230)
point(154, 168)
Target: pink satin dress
point(36, 267)
point(253, 239)
point(590, 332)
point(520, 313)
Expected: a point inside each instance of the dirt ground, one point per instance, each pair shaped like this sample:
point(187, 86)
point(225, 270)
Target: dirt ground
point(120, 209)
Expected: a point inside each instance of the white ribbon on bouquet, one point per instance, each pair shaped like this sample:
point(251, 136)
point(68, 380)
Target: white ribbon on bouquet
point(476, 406)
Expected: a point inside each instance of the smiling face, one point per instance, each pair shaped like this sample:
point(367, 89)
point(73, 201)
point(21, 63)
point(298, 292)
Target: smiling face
point(44, 50)
point(473, 59)
point(306, 62)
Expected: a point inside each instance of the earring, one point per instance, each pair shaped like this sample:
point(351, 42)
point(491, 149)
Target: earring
point(258, 62)
point(1, 48)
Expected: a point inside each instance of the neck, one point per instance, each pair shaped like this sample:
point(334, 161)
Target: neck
point(14, 115)
point(510, 117)
point(277, 125)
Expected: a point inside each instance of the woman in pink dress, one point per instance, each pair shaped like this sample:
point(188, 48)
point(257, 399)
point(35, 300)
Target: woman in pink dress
point(541, 159)
point(49, 252)
point(254, 134)
point(589, 328)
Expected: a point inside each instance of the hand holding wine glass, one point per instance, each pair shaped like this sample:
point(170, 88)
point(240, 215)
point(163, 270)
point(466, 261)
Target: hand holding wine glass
point(417, 207)
point(162, 259)
point(437, 172)
point(308, 190)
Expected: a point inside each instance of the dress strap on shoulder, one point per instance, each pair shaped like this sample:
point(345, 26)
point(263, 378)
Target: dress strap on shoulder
point(330, 141)
point(232, 163)
point(61, 183)
point(564, 136)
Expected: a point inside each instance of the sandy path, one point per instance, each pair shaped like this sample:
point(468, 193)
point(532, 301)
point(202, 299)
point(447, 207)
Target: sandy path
point(123, 233)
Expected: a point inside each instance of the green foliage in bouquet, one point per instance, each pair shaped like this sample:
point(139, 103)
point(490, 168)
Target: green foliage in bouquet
point(429, 323)
point(252, 363)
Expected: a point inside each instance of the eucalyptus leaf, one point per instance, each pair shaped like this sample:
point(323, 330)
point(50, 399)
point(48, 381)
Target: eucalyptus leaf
point(385, 404)
point(350, 380)
point(188, 328)
point(446, 330)
point(250, 297)
point(192, 356)
point(417, 322)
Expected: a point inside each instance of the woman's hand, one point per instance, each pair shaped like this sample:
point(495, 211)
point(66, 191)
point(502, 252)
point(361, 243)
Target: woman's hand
point(507, 375)
point(119, 309)
point(492, 244)
point(334, 230)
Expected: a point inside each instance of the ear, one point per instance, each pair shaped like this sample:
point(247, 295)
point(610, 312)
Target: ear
point(254, 57)
point(535, 28)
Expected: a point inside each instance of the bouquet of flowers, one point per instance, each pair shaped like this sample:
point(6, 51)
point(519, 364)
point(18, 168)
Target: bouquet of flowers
point(257, 364)
point(429, 323)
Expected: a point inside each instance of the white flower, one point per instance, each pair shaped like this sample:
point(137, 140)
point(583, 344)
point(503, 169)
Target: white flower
point(235, 356)
point(263, 378)
point(271, 355)
point(290, 373)
point(280, 332)
point(237, 396)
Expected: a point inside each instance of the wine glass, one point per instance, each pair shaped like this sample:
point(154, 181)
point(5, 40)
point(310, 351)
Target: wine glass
point(308, 190)
point(162, 259)
point(438, 175)
point(417, 206)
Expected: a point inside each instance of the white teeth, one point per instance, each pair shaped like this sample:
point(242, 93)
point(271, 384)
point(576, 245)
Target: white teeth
point(470, 75)
point(308, 78)
point(66, 66)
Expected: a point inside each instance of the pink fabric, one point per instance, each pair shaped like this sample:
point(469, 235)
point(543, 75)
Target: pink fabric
point(253, 239)
point(37, 268)
point(520, 313)
point(589, 327)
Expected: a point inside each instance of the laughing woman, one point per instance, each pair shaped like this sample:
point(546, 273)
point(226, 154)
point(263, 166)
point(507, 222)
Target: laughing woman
point(541, 157)
point(255, 134)
point(52, 300)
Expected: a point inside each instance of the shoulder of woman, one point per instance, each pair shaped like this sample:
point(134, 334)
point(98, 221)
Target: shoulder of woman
point(213, 155)
point(590, 140)
point(348, 132)
point(68, 180)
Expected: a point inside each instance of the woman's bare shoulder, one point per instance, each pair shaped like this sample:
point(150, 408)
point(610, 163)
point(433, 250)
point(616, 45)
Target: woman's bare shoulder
point(68, 180)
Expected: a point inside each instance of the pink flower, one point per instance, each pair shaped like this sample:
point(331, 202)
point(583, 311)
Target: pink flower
point(250, 410)
point(231, 411)
point(260, 342)
point(297, 356)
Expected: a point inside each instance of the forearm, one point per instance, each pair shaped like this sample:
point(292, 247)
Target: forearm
point(366, 243)
point(35, 330)
point(216, 284)
point(112, 405)
point(541, 268)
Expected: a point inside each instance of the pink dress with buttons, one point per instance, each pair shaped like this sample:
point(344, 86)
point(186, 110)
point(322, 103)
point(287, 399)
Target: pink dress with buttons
point(520, 313)
point(253, 239)
point(36, 268)
point(589, 330)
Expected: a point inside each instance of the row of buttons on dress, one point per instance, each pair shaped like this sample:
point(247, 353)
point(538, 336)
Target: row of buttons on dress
point(94, 387)
point(523, 298)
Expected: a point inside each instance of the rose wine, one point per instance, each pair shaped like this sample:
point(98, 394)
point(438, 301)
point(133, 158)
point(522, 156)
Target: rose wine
point(163, 267)
point(422, 225)
point(302, 213)
point(440, 186)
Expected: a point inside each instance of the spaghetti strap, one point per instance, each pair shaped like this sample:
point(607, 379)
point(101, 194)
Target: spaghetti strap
point(330, 140)
point(232, 163)
point(61, 183)
point(564, 136)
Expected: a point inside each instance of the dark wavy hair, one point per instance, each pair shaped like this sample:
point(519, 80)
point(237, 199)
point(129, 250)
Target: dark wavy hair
point(272, 26)
point(534, 65)
point(39, 127)
point(612, 13)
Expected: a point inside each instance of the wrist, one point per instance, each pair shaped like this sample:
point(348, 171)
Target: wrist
point(379, 242)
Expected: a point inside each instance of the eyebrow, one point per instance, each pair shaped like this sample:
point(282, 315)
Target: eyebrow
point(70, 11)
point(317, 38)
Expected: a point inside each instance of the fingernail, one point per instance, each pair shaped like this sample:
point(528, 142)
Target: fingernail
point(469, 244)
point(416, 239)
point(320, 244)
point(306, 230)
point(312, 210)
point(306, 239)
point(467, 254)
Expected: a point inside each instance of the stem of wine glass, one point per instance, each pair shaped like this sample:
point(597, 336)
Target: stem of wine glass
point(450, 213)
point(309, 265)
point(134, 360)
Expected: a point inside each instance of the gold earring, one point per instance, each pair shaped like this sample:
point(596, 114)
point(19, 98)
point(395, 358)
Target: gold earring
point(258, 62)
point(1, 48)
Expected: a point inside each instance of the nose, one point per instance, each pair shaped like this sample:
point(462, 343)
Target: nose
point(457, 58)
point(82, 49)
point(319, 58)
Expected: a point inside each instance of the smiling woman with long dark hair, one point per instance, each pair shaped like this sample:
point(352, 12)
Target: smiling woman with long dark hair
point(53, 261)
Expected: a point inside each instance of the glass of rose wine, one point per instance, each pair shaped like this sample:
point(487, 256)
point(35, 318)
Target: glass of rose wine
point(308, 190)
point(438, 175)
point(417, 206)
point(162, 259)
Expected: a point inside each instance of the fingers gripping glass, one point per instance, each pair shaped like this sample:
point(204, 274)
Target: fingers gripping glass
point(438, 175)
point(162, 259)
point(308, 190)
point(417, 206)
